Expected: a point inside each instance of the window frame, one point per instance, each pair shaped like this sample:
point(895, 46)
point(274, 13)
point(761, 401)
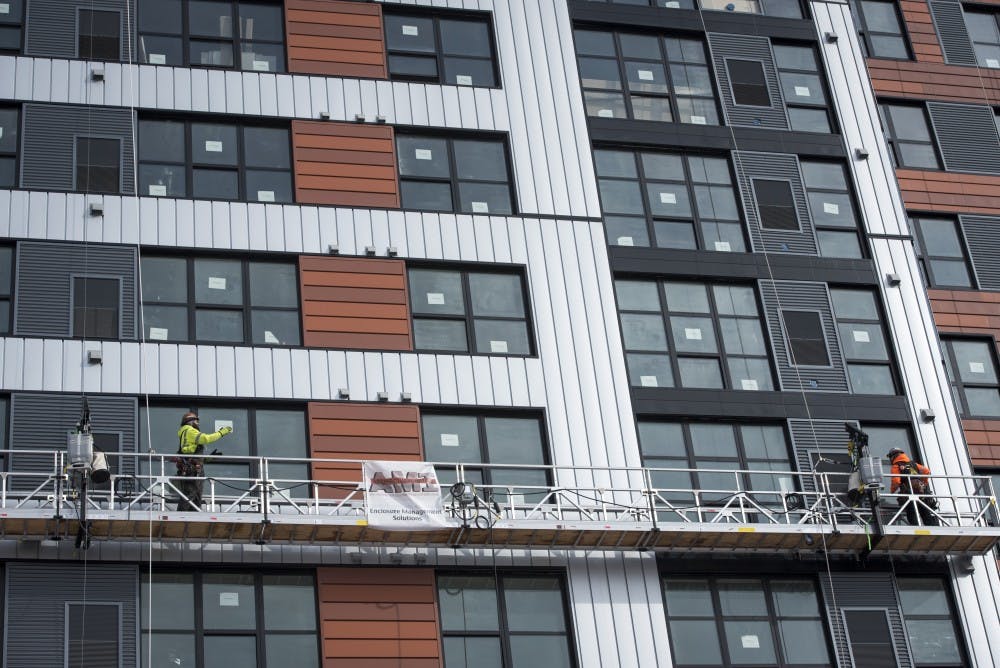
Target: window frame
point(10, 296)
point(73, 277)
point(791, 197)
point(13, 155)
point(951, 617)
point(80, 32)
point(67, 639)
point(77, 165)
point(763, 86)
point(894, 141)
point(981, 10)
point(879, 322)
point(848, 191)
point(890, 641)
point(861, 23)
point(822, 328)
point(959, 385)
point(15, 22)
point(819, 73)
point(925, 259)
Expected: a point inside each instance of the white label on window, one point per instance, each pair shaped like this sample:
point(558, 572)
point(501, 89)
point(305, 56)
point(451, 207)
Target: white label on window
point(1, 133)
point(861, 336)
point(450, 440)
point(692, 333)
point(4, 8)
point(672, 4)
point(157, 59)
point(723, 246)
point(463, 79)
point(498, 346)
point(159, 333)
point(699, 120)
point(157, 191)
point(750, 642)
point(645, 75)
point(977, 367)
point(265, 195)
point(269, 337)
point(648, 381)
point(606, 113)
point(625, 241)
point(992, 62)
point(411, 30)
point(423, 154)
point(803, 91)
point(829, 207)
point(668, 198)
point(480, 207)
point(748, 384)
point(213, 146)
point(216, 283)
point(229, 599)
point(219, 424)
point(435, 298)
point(261, 66)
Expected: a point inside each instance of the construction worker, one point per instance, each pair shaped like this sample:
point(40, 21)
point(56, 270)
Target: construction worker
point(191, 441)
point(916, 484)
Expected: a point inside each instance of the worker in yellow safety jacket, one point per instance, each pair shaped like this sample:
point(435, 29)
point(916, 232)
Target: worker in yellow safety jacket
point(191, 441)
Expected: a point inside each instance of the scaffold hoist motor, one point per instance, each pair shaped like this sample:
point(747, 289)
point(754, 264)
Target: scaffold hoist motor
point(865, 481)
point(85, 465)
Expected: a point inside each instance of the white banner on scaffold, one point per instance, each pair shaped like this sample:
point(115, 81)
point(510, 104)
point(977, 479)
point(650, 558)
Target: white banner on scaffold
point(402, 494)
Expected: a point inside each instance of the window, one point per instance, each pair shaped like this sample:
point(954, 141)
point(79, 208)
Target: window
point(930, 625)
point(219, 618)
point(985, 36)
point(200, 33)
point(435, 49)
point(870, 638)
point(93, 632)
point(744, 621)
point(508, 621)
point(215, 300)
point(941, 252)
point(748, 82)
point(909, 135)
point(98, 165)
point(863, 341)
point(802, 86)
point(469, 311)
point(880, 28)
point(10, 25)
point(214, 161)
point(666, 79)
point(831, 207)
point(491, 439)
point(6, 287)
point(98, 35)
point(96, 307)
point(784, 8)
point(775, 204)
point(677, 201)
point(715, 341)
point(466, 175)
point(972, 369)
point(10, 128)
point(806, 340)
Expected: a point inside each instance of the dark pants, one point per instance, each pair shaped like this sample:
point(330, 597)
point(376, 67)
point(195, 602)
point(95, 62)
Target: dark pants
point(927, 517)
point(191, 485)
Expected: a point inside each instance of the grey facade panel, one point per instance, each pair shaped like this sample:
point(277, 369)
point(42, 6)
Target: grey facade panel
point(863, 590)
point(982, 236)
point(37, 593)
point(810, 437)
point(51, 26)
point(780, 167)
point(951, 30)
point(745, 47)
point(802, 296)
point(48, 144)
point(43, 302)
point(967, 136)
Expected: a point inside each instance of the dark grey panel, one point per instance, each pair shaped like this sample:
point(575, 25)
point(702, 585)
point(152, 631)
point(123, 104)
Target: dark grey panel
point(51, 26)
point(41, 421)
point(982, 236)
point(802, 296)
point(37, 593)
point(967, 136)
point(863, 590)
point(743, 47)
point(735, 404)
point(49, 143)
point(44, 285)
point(952, 32)
point(778, 166)
point(812, 436)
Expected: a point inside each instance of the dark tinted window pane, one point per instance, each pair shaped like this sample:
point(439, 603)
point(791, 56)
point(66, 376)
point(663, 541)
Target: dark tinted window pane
point(162, 180)
point(447, 335)
point(10, 38)
point(8, 174)
point(161, 141)
point(593, 43)
point(484, 198)
point(230, 650)
point(480, 160)
point(208, 18)
point(436, 292)
point(423, 156)
point(213, 144)
point(172, 597)
point(469, 72)
point(266, 147)
point(273, 284)
point(468, 603)
point(222, 326)
point(165, 323)
point(409, 33)
point(260, 57)
point(452, 438)
point(805, 333)
point(297, 650)
point(426, 196)
point(499, 295)
point(277, 328)
point(748, 83)
point(421, 67)
point(160, 16)
point(501, 337)
point(218, 282)
point(98, 165)
point(93, 645)
point(869, 635)
point(9, 129)
point(261, 21)
point(217, 54)
point(472, 652)
point(164, 279)
point(158, 50)
point(95, 307)
point(534, 604)
point(465, 38)
point(268, 186)
point(215, 184)
point(775, 204)
point(98, 35)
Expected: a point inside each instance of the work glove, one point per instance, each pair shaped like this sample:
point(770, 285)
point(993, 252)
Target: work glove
point(226, 431)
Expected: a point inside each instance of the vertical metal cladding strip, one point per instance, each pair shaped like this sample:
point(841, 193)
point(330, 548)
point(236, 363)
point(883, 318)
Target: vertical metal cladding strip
point(864, 590)
point(984, 248)
point(743, 47)
point(52, 28)
point(967, 136)
point(951, 30)
point(781, 167)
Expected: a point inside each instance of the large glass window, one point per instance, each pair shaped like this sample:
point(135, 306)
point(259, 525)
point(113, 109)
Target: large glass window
point(881, 29)
point(214, 161)
point(98, 165)
point(941, 252)
point(775, 204)
point(504, 621)
point(452, 49)
point(806, 339)
point(10, 129)
point(217, 618)
point(802, 85)
point(984, 31)
point(930, 624)
point(98, 34)
point(745, 621)
point(645, 77)
point(695, 335)
point(10, 26)
point(865, 347)
point(469, 311)
point(93, 635)
point(96, 307)
point(831, 206)
point(972, 369)
point(784, 8)
point(212, 33)
point(669, 201)
point(450, 174)
point(909, 135)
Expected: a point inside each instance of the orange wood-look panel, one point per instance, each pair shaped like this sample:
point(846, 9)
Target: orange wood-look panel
point(345, 164)
point(949, 192)
point(335, 38)
point(379, 618)
point(354, 303)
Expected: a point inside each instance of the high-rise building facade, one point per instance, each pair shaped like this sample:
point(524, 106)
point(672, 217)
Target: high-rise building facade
point(625, 268)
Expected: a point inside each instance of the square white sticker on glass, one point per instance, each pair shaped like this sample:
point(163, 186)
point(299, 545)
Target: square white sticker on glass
point(413, 31)
point(498, 346)
point(450, 440)
point(645, 75)
point(261, 66)
point(977, 367)
point(672, 4)
point(4, 8)
point(1, 133)
point(463, 80)
point(159, 333)
point(803, 91)
point(157, 59)
point(423, 154)
point(831, 208)
point(992, 62)
point(668, 198)
point(861, 336)
point(229, 599)
point(265, 195)
point(699, 120)
point(216, 283)
point(648, 381)
point(692, 333)
point(269, 337)
point(750, 642)
point(625, 241)
point(213, 146)
point(480, 207)
point(157, 190)
point(723, 246)
point(748, 384)
point(435, 298)
point(606, 113)
point(219, 424)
